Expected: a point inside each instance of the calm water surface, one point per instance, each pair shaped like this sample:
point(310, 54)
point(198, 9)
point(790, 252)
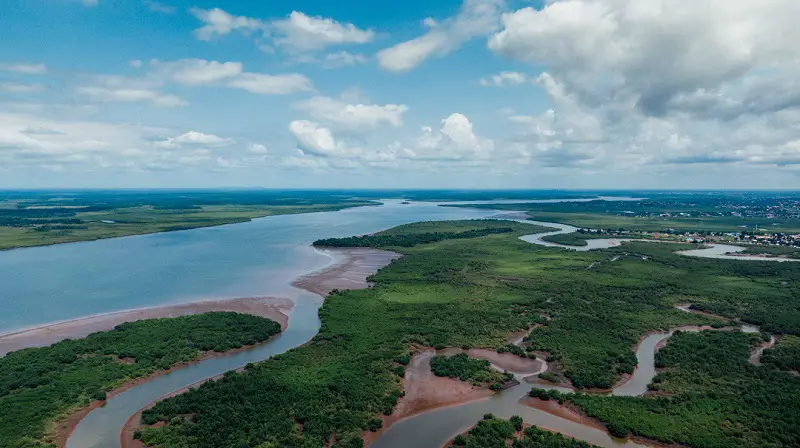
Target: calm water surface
point(49, 284)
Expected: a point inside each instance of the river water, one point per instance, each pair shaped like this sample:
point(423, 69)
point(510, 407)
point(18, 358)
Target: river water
point(259, 258)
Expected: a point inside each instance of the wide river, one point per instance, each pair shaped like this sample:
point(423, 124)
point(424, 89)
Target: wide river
point(259, 258)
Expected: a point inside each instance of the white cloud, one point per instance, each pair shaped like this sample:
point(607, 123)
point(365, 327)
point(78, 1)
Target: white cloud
point(476, 18)
point(456, 140)
point(197, 71)
point(503, 79)
point(155, 6)
point(641, 83)
point(90, 3)
point(272, 84)
point(342, 59)
point(352, 117)
point(15, 87)
point(300, 32)
point(24, 68)
point(193, 138)
point(313, 139)
point(257, 149)
point(217, 22)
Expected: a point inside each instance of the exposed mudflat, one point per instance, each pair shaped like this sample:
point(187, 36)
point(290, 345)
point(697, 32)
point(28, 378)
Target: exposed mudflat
point(276, 309)
point(349, 270)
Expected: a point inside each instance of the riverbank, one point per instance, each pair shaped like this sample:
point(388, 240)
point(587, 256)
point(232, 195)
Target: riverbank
point(145, 220)
point(349, 269)
point(276, 309)
point(64, 428)
point(426, 392)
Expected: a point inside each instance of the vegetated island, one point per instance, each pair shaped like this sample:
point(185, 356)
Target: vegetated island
point(44, 392)
point(474, 292)
point(272, 308)
point(492, 432)
point(45, 218)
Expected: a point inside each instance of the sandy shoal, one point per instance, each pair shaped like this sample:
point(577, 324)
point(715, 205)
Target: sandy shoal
point(275, 309)
point(349, 270)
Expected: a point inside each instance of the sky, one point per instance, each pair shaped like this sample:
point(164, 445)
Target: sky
point(573, 94)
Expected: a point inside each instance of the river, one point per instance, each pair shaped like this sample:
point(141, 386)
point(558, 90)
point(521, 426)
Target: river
point(260, 258)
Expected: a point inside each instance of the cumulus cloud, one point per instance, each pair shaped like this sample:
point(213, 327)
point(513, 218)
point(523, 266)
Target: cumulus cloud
point(300, 32)
point(455, 140)
point(503, 79)
point(314, 139)
point(217, 22)
point(634, 83)
point(352, 117)
point(476, 18)
point(25, 68)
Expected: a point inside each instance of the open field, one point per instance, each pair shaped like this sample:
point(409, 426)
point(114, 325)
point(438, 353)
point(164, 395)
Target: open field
point(475, 292)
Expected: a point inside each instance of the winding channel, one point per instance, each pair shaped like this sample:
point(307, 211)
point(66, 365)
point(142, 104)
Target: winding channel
point(101, 427)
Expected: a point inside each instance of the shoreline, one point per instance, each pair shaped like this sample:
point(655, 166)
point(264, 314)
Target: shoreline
point(272, 308)
point(65, 427)
point(348, 264)
point(426, 392)
point(243, 220)
point(349, 269)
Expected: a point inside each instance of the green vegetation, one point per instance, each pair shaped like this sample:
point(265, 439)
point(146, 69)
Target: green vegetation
point(496, 433)
point(785, 355)
point(708, 396)
point(41, 218)
point(407, 240)
point(475, 371)
point(39, 386)
point(685, 214)
point(474, 292)
point(779, 251)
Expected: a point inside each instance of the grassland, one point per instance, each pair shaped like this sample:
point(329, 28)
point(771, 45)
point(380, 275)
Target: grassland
point(39, 386)
point(474, 292)
point(144, 219)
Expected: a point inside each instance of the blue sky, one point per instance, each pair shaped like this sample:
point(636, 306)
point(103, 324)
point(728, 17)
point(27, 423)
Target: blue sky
point(472, 93)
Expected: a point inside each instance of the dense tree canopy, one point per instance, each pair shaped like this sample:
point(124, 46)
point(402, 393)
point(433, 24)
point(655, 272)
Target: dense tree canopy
point(38, 385)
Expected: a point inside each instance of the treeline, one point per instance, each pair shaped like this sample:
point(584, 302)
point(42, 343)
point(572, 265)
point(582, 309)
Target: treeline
point(39, 385)
point(407, 240)
point(492, 432)
point(785, 355)
point(708, 396)
point(475, 371)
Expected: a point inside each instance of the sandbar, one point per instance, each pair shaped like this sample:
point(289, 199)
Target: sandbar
point(275, 309)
